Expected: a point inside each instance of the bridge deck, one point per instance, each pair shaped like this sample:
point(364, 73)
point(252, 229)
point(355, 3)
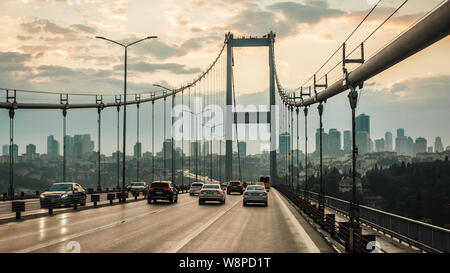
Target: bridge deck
point(182, 227)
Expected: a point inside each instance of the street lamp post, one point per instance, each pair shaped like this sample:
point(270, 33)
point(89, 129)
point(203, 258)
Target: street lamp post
point(125, 103)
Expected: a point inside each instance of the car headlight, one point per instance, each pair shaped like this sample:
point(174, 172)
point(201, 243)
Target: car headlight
point(64, 195)
point(42, 196)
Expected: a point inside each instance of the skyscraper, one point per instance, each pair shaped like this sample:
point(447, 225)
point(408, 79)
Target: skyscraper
point(400, 132)
point(409, 146)
point(242, 148)
point(401, 145)
point(362, 142)
point(334, 140)
point(5, 149)
point(347, 140)
point(82, 144)
point(438, 146)
point(167, 148)
point(31, 149)
point(284, 143)
point(420, 146)
point(52, 146)
point(362, 123)
point(195, 149)
point(388, 141)
point(325, 142)
point(380, 145)
point(138, 149)
point(68, 140)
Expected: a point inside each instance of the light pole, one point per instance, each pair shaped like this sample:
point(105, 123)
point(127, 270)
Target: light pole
point(125, 103)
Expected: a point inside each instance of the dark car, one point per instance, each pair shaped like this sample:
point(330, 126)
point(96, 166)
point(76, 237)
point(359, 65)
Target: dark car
point(235, 186)
point(162, 190)
point(63, 194)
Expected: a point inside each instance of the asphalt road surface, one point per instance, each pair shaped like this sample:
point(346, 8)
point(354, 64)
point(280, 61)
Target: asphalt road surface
point(162, 227)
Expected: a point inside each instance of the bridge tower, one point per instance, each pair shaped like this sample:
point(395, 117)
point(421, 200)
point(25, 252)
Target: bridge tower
point(264, 117)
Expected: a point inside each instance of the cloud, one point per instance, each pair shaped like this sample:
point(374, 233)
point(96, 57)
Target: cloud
point(116, 10)
point(84, 28)
point(312, 12)
point(152, 68)
point(13, 57)
point(37, 25)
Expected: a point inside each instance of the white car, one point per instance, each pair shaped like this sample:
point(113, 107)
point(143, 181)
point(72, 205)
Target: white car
point(211, 192)
point(255, 194)
point(195, 188)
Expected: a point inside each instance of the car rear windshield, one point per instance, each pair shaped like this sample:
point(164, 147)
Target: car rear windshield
point(197, 184)
point(211, 186)
point(235, 183)
point(160, 185)
point(138, 184)
point(61, 187)
point(255, 188)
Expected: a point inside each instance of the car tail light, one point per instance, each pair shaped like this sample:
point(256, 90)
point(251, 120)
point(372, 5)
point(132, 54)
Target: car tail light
point(229, 185)
point(219, 191)
point(191, 187)
point(152, 188)
point(246, 193)
point(201, 191)
point(167, 189)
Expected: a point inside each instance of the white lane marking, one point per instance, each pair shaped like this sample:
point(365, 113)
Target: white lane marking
point(57, 241)
point(202, 228)
point(310, 245)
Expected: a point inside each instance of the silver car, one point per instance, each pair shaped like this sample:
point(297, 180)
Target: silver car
point(211, 192)
point(255, 194)
point(195, 188)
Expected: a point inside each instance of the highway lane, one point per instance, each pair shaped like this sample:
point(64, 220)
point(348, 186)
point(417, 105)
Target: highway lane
point(181, 227)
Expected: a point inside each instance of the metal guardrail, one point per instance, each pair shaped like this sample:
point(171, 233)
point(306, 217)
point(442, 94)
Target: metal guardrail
point(424, 236)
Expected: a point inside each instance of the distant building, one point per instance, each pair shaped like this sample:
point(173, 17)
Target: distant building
point(195, 149)
point(438, 147)
point(82, 144)
point(347, 141)
point(334, 140)
point(205, 148)
point(285, 143)
point(400, 132)
point(167, 148)
point(362, 142)
point(138, 150)
point(325, 141)
point(401, 143)
point(15, 150)
point(420, 146)
point(430, 149)
point(410, 146)
point(380, 145)
point(52, 146)
point(31, 149)
point(242, 148)
point(362, 123)
point(5, 149)
point(68, 140)
point(388, 141)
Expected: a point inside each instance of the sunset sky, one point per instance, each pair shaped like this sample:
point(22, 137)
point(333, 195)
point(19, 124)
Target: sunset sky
point(50, 45)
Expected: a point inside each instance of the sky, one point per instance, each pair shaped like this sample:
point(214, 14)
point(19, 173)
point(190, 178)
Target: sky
point(50, 45)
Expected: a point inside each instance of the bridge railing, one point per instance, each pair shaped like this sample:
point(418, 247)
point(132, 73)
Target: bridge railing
point(424, 236)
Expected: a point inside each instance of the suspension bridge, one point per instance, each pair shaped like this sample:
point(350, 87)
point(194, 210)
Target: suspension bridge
point(297, 220)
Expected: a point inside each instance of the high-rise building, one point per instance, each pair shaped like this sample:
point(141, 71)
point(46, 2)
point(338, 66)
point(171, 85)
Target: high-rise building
point(430, 149)
point(362, 123)
point(195, 149)
point(167, 148)
point(5, 149)
point(362, 142)
point(401, 145)
point(400, 132)
point(205, 148)
point(334, 140)
point(380, 145)
point(325, 142)
point(242, 148)
point(82, 144)
point(52, 146)
point(438, 146)
point(284, 143)
point(68, 140)
point(347, 140)
point(31, 149)
point(388, 141)
point(138, 149)
point(410, 146)
point(420, 146)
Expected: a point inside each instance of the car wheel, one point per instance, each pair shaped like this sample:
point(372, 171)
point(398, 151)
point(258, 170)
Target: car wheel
point(245, 204)
point(265, 204)
point(176, 200)
point(200, 202)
